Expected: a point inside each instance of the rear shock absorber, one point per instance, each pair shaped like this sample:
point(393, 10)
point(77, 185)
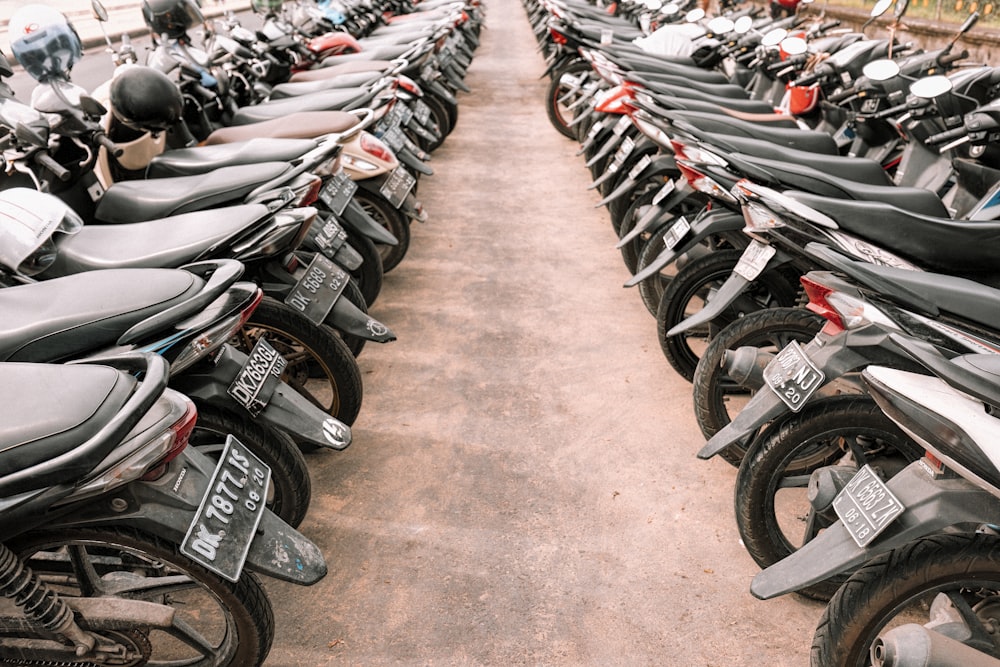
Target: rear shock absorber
point(41, 604)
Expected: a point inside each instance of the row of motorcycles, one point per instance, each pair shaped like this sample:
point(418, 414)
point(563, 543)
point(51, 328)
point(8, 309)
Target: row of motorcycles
point(811, 216)
point(188, 253)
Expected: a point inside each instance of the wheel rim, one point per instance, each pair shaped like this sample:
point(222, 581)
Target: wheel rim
point(306, 372)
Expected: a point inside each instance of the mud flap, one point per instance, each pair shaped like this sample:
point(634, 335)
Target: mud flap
point(931, 506)
point(359, 221)
point(610, 145)
point(731, 290)
point(286, 410)
point(346, 317)
point(413, 162)
point(647, 169)
point(713, 223)
point(441, 91)
point(657, 213)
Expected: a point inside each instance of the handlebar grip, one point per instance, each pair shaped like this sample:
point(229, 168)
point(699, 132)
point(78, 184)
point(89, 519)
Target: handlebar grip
point(45, 160)
point(891, 111)
point(845, 94)
point(947, 135)
point(110, 146)
point(949, 58)
point(829, 25)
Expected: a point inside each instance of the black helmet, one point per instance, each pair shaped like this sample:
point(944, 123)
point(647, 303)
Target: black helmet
point(44, 42)
point(145, 99)
point(171, 17)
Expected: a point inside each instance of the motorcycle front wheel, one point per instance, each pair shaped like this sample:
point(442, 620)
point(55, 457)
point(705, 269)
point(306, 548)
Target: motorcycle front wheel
point(215, 622)
point(900, 586)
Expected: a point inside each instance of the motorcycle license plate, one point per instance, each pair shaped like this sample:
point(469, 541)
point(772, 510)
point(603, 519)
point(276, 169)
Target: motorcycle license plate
point(337, 192)
point(405, 113)
point(754, 259)
point(639, 166)
point(421, 112)
point(622, 125)
point(219, 537)
point(330, 237)
point(676, 232)
point(256, 381)
point(318, 289)
point(662, 193)
point(393, 138)
point(397, 186)
point(594, 129)
point(623, 152)
point(866, 506)
point(793, 376)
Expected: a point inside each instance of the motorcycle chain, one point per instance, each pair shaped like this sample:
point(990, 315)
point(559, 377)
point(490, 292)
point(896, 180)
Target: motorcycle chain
point(138, 640)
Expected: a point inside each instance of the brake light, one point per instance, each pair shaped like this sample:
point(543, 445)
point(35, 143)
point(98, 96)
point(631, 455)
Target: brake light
point(374, 147)
point(409, 85)
point(704, 183)
point(817, 293)
point(613, 102)
point(181, 430)
point(309, 193)
point(248, 311)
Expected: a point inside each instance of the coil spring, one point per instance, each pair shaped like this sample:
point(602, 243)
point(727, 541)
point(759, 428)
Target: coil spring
point(41, 604)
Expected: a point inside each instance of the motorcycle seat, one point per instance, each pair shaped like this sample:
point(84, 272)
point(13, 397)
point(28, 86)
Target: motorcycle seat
point(657, 64)
point(58, 409)
point(168, 242)
point(63, 318)
point(305, 125)
point(955, 247)
point(344, 68)
point(135, 201)
point(967, 299)
point(328, 100)
point(692, 100)
point(805, 140)
point(664, 83)
point(801, 177)
point(358, 79)
point(858, 169)
point(202, 159)
point(378, 53)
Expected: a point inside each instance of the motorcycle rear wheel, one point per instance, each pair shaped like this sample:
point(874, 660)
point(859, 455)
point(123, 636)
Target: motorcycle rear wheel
point(320, 365)
point(966, 568)
point(235, 620)
point(291, 488)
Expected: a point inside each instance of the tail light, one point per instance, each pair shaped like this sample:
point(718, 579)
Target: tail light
point(374, 147)
point(841, 310)
point(704, 183)
point(409, 85)
point(213, 338)
point(817, 293)
point(760, 218)
point(181, 431)
point(308, 193)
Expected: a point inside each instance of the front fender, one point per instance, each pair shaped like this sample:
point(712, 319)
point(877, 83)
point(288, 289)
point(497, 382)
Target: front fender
point(346, 317)
point(932, 505)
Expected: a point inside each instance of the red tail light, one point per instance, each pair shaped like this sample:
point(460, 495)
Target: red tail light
point(182, 430)
point(557, 36)
point(817, 293)
point(311, 192)
point(248, 311)
point(376, 148)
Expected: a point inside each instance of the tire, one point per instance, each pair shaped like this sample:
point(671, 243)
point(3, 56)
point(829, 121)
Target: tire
point(906, 580)
point(369, 275)
point(689, 290)
point(651, 289)
point(236, 618)
point(439, 115)
point(451, 110)
point(291, 488)
point(393, 220)
point(717, 398)
point(773, 513)
point(559, 114)
point(320, 365)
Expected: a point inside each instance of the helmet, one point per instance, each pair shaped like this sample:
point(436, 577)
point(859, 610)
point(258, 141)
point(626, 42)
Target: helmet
point(171, 17)
point(266, 6)
point(29, 221)
point(145, 99)
point(44, 42)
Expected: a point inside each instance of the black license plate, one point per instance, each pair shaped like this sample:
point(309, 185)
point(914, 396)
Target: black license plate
point(421, 111)
point(793, 376)
point(397, 186)
point(256, 381)
point(866, 506)
point(337, 192)
point(220, 535)
point(318, 289)
point(393, 138)
point(329, 237)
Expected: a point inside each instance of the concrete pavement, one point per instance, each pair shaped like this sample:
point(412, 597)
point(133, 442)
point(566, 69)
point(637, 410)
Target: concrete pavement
point(523, 487)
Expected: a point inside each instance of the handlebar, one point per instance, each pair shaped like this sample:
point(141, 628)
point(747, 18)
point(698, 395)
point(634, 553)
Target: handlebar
point(891, 111)
point(45, 160)
point(102, 140)
point(949, 58)
point(843, 95)
point(947, 135)
point(820, 72)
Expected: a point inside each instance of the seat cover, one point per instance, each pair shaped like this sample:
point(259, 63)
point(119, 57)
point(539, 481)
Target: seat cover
point(202, 159)
point(948, 246)
point(343, 68)
point(695, 101)
point(58, 408)
point(917, 200)
point(358, 79)
point(806, 140)
point(168, 242)
point(135, 201)
point(305, 125)
point(662, 83)
point(67, 317)
point(330, 100)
